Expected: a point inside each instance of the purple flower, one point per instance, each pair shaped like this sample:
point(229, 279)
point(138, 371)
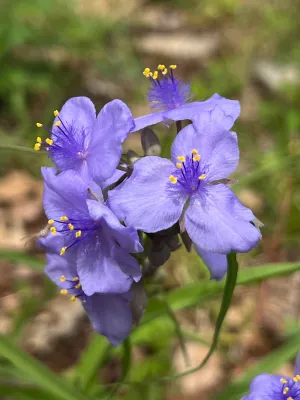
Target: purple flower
point(173, 98)
point(160, 192)
point(109, 313)
point(85, 143)
point(275, 387)
point(93, 238)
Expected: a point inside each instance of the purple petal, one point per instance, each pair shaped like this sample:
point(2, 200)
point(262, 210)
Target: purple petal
point(116, 175)
point(266, 385)
point(63, 193)
point(216, 263)
point(213, 229)
point(297, 365)
point(127, 237)
point(219, 150)
point(113, 125)
point(148, 120)
point(58, 266)
point(101, 268)
point(110, 316)
point(143, 201)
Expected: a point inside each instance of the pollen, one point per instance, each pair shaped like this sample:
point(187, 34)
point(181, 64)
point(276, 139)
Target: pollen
point(285, 390)
point(197, 158)
point(57, 123)
point(296, 378)
point(161, 67)
point(73, 298)
point(71, 227)
point(173, 179)
point(50, 221)
point(78, 286)
point(173, 66)
point(64, 218)
point(155, 74)
point(39, 125)
point(39, 140)
point(194, 151)
point(290, 398)
point(179, 165)
point(62, 251)
point(55, 113)
point(49, 141)
point(147, 72)
point(75, 279)
point(201, 177)
point(64, 291)
point(181, 158)
point(37, 146)
point(53, 230)
point(284, 381)
point(165, 71)
point(62, 278)
point(78, 234)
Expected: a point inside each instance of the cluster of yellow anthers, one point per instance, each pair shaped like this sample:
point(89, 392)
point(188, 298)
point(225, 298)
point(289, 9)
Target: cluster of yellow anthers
point(154, 75)
point(196, 157)
point(70, 226)
point(65, 291)
point(49, 141)
point(286, 389)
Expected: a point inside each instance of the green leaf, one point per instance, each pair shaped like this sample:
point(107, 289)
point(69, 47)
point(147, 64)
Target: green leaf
point(37, 372)
point(19, 391)
point(16, 257)
point(270, 363)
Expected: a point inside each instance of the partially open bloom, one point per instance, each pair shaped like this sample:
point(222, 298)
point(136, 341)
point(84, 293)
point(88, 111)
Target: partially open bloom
point(171, 100)
point(161, 192)
point(93, 238)
point(109, 313)
point(85, 143)
point(275, 387)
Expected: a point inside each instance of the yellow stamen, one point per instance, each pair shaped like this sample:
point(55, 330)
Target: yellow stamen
point(39, 140)
point(290, 398)
point(37, 146)
point(173, 66)
point(53, 230)
point(49, 141)
point(62, 278)
point(51, 221)
point(173, 179)
point(161, 67)
point(179, 165)
point(62, 251)
point(285, 390)
point(55, 113)
point(71, 227)
point(296, 379)
point(78, 234)
point(165, 71)
point(181, 158)
point(64, 218)
point(284, 381)
point(75, 279)
point(194, 151)
point(73, 298)
point(146, 71)
point(201, 177)
point(196, 158)
point(155, 74)
point(78, 286)
point(64, 291)
point(39, 125)
point(57, 123)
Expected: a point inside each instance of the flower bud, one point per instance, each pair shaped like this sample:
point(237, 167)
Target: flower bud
point(132, 157)
point(150, 142)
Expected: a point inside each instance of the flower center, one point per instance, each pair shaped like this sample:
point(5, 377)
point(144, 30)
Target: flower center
point(166, 91)
point(190, 173)
point(290, 388)
point(73, 288)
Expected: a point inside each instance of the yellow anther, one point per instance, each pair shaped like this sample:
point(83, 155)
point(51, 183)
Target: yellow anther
point(284, 381)
point(55, 113)
point(62, 278)
point(53, 230)
point(57, 123)
point(78, 286)
point(73, 298)
point(37, 146)
point(49, 141)
point(75, 279)
point(39, 125)
point(39, 140)
point(64, 218)
point(78, 234)
point(155, 75)
point(173, 66)
point(146, 71)
point(181, 158)
point(64, 291)
point(196, 158)
point(194, 151)
point(62, 251)
point(71, 227)
point(50, 221)
point(290, 398)
point(173, 179)
point(165, 71)
point(285, 390)
point(161, 67)
point(201, 177)
point(179, 165)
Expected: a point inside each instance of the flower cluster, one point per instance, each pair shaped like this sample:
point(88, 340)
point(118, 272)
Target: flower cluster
point(102, 204)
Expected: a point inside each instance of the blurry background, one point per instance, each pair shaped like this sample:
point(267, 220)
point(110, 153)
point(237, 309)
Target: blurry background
point(51, 50)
